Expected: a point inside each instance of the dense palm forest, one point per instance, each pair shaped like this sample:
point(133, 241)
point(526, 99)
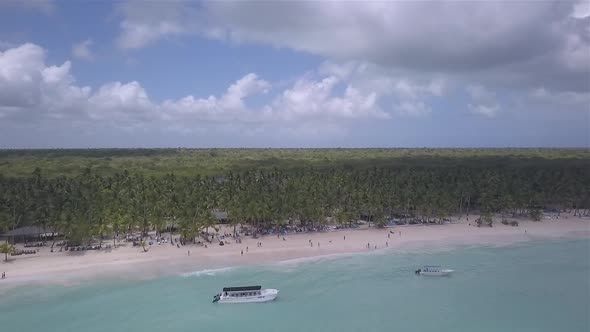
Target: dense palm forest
point(90, 203)
point(190, 162)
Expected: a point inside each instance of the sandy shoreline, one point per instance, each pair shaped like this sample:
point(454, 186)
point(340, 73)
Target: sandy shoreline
point(128, 262)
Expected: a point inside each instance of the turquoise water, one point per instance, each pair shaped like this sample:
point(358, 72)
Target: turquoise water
point(533, 287)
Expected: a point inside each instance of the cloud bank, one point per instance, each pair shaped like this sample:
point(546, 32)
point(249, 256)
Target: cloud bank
point(32, 91)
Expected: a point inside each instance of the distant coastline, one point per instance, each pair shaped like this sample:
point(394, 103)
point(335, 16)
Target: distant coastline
point(146, 212)
point(65, 268)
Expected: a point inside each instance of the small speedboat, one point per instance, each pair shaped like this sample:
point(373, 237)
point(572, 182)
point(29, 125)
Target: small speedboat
point(433, 270)
point(246, 294)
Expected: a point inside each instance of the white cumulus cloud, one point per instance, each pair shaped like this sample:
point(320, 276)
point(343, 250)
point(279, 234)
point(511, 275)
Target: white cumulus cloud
point(489, 111)
point(574, 100)
point(82, 50)
point(317, 99)
point(228, 107)
point(31, 91)
point(484, 101)
point(503, 44)
point(412, 108)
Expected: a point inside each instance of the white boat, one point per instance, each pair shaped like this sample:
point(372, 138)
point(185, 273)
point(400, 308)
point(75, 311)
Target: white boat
point(246, 294)
point(433, 270)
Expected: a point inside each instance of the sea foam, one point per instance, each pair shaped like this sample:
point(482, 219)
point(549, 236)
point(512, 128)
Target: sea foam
point(206, 272)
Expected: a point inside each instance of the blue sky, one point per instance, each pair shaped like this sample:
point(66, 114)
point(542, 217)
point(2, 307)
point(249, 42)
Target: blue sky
point(294, 74)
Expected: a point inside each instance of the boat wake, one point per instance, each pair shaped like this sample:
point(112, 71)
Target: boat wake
point(206, 272)
point(295, 262)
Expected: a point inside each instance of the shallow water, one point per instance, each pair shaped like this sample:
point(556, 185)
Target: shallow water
point(539, 286)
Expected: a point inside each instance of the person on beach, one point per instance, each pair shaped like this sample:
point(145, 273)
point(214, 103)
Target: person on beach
point(386, 244)
point(389, 235)
point(344, 237)
point(3, 275)
point(318, 244)
point(246, 248)
point(242, 252)
point(188, 252)
point(368, 245)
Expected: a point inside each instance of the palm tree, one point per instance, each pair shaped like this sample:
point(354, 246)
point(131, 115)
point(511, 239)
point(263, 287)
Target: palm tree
point(6, 248)
point(172, 201)
point(535, 214)
point(380, 218)
point(208, 220)
point(487, 218)
point(100, 228)
point(116, 221)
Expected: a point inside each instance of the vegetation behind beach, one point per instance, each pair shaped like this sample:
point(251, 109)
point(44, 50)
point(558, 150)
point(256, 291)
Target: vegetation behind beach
point(190, 162)
point(101, 194)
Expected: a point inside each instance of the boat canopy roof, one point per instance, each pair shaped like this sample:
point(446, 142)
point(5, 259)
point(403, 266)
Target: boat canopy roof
point(241, 289)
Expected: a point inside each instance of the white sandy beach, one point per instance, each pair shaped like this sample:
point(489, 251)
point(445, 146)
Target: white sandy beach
point(131, 262)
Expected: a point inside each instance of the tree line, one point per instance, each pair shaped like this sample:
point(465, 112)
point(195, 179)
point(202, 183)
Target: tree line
point(207, 162)
point(94, 206)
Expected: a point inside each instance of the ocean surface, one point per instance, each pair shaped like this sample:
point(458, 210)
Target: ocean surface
point(537, 286)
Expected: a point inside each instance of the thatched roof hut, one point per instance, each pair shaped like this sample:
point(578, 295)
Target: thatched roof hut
point(28, 232)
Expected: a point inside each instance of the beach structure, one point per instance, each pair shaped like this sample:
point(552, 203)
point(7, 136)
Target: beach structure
point(28, 233)
point(221, 217)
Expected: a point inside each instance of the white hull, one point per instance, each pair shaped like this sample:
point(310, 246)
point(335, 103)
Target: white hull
point(266, 295)
point(436, 273)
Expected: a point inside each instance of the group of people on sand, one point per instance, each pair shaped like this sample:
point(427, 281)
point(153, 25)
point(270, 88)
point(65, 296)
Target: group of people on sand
point(258, 244)
point(386, 242)
point(311, 244)
point(247, 249)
